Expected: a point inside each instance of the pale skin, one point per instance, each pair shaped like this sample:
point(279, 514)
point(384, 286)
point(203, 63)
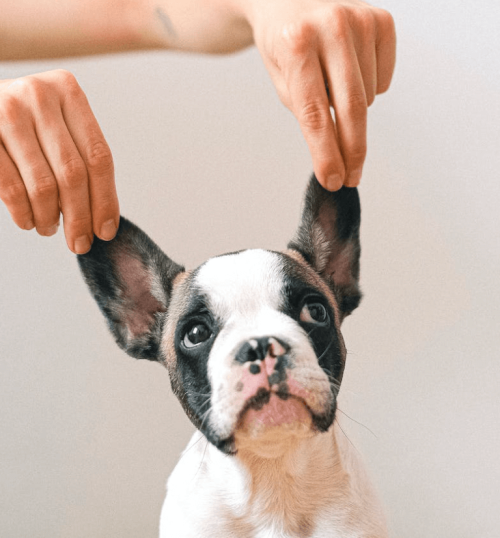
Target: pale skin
point(322, 55)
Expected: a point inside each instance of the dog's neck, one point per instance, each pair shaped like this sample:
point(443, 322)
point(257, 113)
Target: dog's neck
point(289, 488)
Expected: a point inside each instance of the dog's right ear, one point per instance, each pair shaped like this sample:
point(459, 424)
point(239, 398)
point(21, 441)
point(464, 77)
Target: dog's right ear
point(131, 280)
point(328, 239)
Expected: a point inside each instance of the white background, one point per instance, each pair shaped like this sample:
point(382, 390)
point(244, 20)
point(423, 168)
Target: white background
point(207, 161)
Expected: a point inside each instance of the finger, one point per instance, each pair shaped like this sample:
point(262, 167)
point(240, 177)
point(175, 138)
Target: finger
point(13, 192)
point(309, 101)
point(385, 49)
point(96, 155)
point(350, 105)
point(364, 39)
point(23, 147)
point(69, 170)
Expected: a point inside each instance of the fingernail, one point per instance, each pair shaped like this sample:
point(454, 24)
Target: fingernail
point(334, 182)
point(108, 230)
point(29, 225)
point(82, 244)
point(48, 231)
point(354, 178)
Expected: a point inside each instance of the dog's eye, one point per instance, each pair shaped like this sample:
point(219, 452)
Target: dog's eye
point(196, 335)
point(313, 313)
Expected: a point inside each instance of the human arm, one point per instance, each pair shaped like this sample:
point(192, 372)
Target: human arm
point(303, 43)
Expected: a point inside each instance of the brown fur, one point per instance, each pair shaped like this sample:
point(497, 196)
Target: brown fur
point(281, 487)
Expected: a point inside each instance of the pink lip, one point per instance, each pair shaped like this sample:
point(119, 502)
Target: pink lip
point(277, 412)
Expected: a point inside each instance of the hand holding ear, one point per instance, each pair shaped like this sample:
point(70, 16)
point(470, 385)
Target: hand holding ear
point(54, 159)
point(323, 53)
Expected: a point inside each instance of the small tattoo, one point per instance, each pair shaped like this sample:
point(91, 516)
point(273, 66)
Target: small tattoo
point(166, 22)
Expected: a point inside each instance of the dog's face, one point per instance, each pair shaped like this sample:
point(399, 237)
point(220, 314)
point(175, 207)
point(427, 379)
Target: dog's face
point(251, 339)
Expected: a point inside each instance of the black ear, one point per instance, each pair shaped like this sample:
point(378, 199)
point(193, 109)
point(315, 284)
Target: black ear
point(328, 238)
point(131, 280)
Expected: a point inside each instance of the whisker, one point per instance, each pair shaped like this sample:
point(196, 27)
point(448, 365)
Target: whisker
point(345, 435)
point(326, 349)
point(360, 423)
point(202, 458)
point(200, 437)
point(313, 329)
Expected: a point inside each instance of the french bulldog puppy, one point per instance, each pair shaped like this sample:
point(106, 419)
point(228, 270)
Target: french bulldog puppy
point(253, 347)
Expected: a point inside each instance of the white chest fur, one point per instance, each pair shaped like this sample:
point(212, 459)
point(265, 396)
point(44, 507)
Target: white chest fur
point(316, 489)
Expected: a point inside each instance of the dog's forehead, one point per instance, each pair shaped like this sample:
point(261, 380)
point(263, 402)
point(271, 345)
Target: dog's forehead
point(243, 281)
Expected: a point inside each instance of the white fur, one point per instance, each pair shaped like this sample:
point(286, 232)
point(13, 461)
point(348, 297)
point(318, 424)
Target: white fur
point(209, 493)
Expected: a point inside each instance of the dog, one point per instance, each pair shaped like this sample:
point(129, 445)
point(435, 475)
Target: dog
point(252, 344)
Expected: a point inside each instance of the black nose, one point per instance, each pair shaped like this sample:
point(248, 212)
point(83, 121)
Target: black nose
point(256, 349)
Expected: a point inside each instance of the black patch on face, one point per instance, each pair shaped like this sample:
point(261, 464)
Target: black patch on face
point(194, 390)
point(192, 361)
point(323, 336)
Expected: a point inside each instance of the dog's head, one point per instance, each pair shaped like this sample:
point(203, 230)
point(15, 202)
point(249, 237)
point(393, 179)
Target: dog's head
point(251, 339)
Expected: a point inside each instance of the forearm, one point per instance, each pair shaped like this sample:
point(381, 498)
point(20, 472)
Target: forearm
point(52, 28)
point(213, 26)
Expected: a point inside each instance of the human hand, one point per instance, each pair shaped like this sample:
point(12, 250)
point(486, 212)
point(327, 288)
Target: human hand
point(53, 158)
point(347, 45)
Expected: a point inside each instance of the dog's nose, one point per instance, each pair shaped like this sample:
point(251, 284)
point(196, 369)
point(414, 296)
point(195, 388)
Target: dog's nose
point(257, 349)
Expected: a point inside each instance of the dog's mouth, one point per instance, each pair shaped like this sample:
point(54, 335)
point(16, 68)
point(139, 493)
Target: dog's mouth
point(271, 419)
point(276, 415)
point(272, 409)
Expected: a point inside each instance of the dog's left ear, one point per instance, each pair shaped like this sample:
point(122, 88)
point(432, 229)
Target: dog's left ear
point(131, 280)
point(328, 239)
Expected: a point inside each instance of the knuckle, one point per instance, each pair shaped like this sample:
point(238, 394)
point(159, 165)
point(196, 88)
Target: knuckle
point(104, 207)
point(366, 22)
point(99, 158)
point(313, 117)
point(73, 172)
point(12, 194)
point(21, 86)
point(356, 157)
point(386, 20)
point(298, 37)
point(356, 105)
point(10, 109)
point(77, 225)
point(30, 87)
point(68, 83)
point(337, 20)
point(39, 93)
point(44, 187)
point(65, 77)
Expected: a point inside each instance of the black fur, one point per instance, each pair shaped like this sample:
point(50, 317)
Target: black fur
point(328, 239)
point(194, 390)
point(104, 269)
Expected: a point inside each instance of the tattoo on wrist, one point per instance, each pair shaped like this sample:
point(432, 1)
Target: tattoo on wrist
point(166, 22)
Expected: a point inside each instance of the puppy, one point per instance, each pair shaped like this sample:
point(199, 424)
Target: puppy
point(253, 347)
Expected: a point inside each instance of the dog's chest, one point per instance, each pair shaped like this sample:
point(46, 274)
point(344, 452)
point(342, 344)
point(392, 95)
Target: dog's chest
point(210, 494)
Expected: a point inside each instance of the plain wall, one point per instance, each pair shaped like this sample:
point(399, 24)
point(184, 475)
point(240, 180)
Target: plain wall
point(207, 161)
